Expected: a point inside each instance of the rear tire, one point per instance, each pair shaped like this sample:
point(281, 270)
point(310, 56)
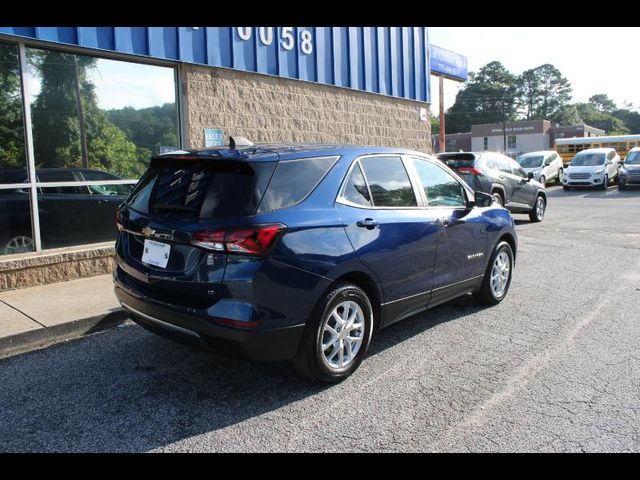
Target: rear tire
point(543, 180)
point(331, 348)
point(605, 183)
point(560, 177)
point(492, 292)
point(539, 208)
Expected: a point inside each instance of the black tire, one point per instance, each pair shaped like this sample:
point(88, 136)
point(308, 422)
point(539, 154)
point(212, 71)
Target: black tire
point(497, 198)
point(543, 180)
point(309, 361)
point(564, 187)
point(621, 187)
point(559, 177)
point(485, 293)
point(534, 216)
point(605, 183)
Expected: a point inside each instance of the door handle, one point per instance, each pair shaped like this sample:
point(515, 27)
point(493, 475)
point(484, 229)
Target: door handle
point(445, 222)
point(501, 177)
point(368, 223)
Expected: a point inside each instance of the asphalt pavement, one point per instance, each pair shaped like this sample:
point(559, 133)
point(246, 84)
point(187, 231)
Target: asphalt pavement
point(554, 368)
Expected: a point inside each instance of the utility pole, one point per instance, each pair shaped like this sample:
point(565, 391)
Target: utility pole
point(83, 129)
point(441, 120)
point(504, 130)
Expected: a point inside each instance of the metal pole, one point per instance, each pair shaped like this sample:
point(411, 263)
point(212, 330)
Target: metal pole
point(441, 85)
point(83, 129)
point(504, 130)
point(28, 138)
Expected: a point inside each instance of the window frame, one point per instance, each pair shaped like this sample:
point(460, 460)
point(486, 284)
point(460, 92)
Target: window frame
point(414, 178)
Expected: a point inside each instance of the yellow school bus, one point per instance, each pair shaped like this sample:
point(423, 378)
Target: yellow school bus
point(568, 147)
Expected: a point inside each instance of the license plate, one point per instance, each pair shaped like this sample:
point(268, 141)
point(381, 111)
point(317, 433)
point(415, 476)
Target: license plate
point(156, 253)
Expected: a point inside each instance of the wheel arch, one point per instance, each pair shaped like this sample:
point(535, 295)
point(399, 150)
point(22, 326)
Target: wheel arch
point(366, 283)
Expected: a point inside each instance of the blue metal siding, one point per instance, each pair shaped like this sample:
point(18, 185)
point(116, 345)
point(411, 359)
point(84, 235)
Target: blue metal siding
point(387, 60)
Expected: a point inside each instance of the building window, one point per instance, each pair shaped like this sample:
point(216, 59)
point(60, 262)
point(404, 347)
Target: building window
point(485, 143)
point(511, 142)
point(95, 123)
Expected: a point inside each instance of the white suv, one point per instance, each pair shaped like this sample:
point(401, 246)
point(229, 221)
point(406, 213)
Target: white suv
point(545, 165)
point(594, 167)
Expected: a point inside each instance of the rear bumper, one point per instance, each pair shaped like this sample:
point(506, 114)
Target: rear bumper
point(259, 344)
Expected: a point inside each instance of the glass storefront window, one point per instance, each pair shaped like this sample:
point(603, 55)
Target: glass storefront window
point(95, 123)
point(15, 212)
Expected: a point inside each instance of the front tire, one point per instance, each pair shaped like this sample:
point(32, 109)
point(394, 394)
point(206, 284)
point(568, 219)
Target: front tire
point(497, 277)
point(497, 198)
point(337, 335)
point(560, 177)
point(543, 180)
point(605, 183)
point(621, 186)
point(539, 208)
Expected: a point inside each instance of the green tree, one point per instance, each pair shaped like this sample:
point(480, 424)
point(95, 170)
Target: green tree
point(483, 98)
point(542, 91)
point(56, 119)
point(12, 151)
point(602, 103)
point(606, 121)
point(567, 115)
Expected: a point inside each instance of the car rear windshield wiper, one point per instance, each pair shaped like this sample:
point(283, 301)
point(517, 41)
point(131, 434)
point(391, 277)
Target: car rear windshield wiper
point(167, 207)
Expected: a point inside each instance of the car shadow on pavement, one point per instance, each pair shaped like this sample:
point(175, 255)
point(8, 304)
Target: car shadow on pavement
point(125, 389)
point(612, 192)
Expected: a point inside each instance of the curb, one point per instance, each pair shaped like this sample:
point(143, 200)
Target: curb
point(43, 337)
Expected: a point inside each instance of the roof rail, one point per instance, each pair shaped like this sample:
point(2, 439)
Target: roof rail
point(239, 142)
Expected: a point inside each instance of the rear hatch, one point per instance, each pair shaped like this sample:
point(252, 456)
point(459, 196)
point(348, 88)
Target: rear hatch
point(180, 221)
point(465, 164)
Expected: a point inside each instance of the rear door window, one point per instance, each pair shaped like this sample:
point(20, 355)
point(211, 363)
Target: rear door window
point(389, 182)
point(502, 164)
point(293, 181)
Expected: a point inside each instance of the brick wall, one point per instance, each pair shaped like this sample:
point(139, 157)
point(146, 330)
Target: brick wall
point(270, 109)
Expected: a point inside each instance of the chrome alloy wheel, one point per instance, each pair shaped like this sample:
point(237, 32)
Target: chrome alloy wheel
point(500, 274)
point(540, 208)
point(342, 335)
point(19, 244)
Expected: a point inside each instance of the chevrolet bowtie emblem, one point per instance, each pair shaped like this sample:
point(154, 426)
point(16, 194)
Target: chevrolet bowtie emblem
point(147, 232)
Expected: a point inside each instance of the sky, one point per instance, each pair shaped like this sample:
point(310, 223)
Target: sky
point(125, 84)
point(593, 59)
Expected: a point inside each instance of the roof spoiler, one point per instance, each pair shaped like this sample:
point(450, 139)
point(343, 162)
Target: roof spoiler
point(239, 142)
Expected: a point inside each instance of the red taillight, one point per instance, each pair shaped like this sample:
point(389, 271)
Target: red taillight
point(255, 240)
point(469, 170)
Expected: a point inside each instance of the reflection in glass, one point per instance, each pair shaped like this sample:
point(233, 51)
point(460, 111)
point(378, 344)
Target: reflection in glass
point(15, 221)
point(12, 151)
point(93, 120)
point(101, 114)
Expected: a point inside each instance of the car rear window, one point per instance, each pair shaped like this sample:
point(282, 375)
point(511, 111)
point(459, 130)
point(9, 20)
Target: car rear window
point(202, 189)
point(458, 160)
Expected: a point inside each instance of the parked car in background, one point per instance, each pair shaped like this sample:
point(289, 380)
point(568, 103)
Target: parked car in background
point(593, 167)
point(545, 165)
point(630, 170)
point(68, 214)
point(503, 178)
point(303, 252)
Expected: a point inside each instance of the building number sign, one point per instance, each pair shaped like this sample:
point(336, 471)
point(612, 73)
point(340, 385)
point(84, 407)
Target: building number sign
point(287, 39)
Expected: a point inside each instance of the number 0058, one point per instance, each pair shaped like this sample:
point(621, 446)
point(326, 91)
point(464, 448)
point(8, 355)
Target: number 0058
point(287, 38)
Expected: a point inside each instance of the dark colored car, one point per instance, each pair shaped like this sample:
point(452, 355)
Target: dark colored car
point(303, 252)
point(68, 214)
point(630, 170)
point(503, 178)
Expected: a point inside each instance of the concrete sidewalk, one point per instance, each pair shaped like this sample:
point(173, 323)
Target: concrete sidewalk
point(31, 318)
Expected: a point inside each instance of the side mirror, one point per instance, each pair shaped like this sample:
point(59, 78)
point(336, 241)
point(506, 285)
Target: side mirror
point(483, 199)
point(530, 176)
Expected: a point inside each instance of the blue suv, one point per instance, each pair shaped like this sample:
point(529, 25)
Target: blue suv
point(303, 252)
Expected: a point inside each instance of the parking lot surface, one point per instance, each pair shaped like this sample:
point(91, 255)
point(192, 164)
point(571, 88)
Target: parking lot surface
point(554, 367)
